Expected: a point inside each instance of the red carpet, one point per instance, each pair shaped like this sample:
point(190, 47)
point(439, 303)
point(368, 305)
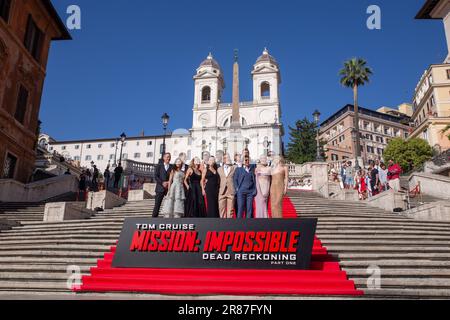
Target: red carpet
point(324, 278)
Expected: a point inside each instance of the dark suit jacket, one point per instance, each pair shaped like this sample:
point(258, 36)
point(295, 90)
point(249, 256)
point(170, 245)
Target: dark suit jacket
point(240, 182)
point(161, 175)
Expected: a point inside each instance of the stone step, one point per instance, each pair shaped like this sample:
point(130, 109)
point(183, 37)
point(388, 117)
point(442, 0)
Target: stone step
point(410, 283)
point(35, 276)
point(390, 256)
point(14, 238)
point(90, 261)
point(406, 293)
point(61, 232)
point(55, 248)
point(400, 273)
point(51, 253)
point(55, 242)
point(35, 285)
point(397, 264)
point(39, 268)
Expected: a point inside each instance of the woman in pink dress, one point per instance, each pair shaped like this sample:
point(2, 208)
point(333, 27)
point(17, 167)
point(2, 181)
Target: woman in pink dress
point(263, 175)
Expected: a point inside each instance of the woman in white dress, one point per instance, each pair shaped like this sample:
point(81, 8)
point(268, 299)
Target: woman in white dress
point(174, 201)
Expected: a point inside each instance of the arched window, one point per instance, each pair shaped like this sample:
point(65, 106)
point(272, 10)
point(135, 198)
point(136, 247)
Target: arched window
point(265, 90)
point(206, 94)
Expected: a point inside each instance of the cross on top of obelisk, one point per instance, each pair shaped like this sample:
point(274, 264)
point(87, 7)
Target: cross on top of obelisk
point(236, 52)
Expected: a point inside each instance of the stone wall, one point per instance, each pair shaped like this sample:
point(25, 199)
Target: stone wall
point(431, 184)
point(388, 201)
point(14, 191)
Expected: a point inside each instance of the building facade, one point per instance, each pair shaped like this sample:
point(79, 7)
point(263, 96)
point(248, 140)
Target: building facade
point(260, 119)
point(431, 104)
point(438, 9)
point(259, 123)
point(27, 28)
point(104, 152)
point(377, 129)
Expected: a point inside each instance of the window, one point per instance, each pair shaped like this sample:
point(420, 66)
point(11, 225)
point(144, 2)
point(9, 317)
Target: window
point(334, 157)
point(5, 6)
point(125, 156)
point(111, 157)
point(112, 145)
point(77, 158)
point(206, 94)
point(149, 143)
point(137, 155)
point(63, 148)
point(265, 90)
point(88, 158)
point(21, 107)
point(99, 157)
point(149, 154)
point(137, 143)
point(34, 39)
point(77, 147)
point(9, 168)
point(448, 73)
point(100, 145)
point(88, 146)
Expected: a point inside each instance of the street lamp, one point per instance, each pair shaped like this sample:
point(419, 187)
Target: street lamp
point(115, 153)
point(316, 116)
point(165, 120)
point(123, 137)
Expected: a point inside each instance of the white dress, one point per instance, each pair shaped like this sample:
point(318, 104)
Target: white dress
point(174, 201)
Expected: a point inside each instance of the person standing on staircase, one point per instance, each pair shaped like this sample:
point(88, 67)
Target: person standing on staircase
point(394, 172)
point(162, 175)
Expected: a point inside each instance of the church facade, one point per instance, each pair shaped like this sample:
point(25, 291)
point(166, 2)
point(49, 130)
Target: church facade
point(217, 127)
point(259, 120)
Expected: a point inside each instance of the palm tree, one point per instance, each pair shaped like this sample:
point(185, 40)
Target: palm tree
point(354, 74)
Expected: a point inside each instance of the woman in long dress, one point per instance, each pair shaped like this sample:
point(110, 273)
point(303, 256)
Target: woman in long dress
point(279, 186)
point(195, 203)
point(263, 173)
point(174, 201)
point(210, 185)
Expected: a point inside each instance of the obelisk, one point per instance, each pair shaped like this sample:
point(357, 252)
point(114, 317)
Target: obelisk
point(235, 118)
point(235, 136)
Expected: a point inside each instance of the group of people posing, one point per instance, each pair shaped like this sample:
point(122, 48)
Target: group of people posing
point(376, 179)
point(231, 189)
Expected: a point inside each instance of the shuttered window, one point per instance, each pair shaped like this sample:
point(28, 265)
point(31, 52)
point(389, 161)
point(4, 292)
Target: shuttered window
point(5, 6)
point(33, 39)
point(21, 107)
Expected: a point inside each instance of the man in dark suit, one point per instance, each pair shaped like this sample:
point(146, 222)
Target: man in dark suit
point(245, 187)
point(162, 175)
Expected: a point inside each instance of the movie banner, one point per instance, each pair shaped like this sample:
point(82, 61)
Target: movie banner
point(216, 243)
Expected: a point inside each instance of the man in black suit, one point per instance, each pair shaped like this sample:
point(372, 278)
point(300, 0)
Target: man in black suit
point(162, 175)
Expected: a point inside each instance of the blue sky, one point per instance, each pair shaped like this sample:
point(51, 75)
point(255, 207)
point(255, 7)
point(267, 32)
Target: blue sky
point(134, 60)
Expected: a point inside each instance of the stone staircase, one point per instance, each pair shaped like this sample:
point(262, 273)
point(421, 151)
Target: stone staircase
point(35, 256)
point(413, 257)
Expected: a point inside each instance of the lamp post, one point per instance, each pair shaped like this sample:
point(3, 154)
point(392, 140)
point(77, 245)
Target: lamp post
point(165, 121)
point(123, 137)
point(115, 153)
point(316, 116)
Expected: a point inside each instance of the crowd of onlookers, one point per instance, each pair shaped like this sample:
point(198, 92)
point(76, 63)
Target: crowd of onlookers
point(370, 181)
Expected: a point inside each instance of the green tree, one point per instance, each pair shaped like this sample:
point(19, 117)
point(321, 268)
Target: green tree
point(355, 74)
point(447, 128)
point(302, 147)
point(414, 152)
